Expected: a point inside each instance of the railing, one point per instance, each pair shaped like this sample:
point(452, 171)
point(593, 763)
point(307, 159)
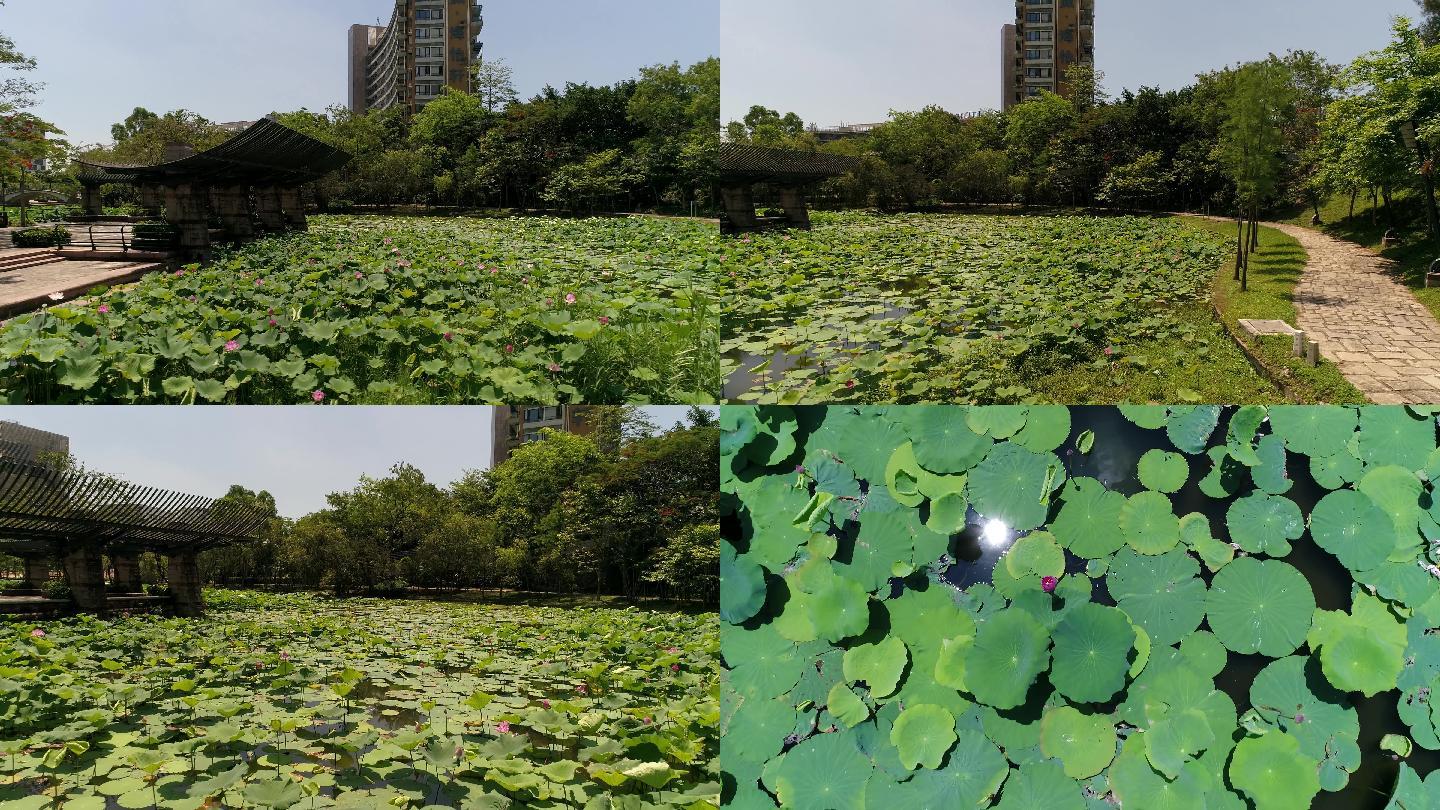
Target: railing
point(122, 237)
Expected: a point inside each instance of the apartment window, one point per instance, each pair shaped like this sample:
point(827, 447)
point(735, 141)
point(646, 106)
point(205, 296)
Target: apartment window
point(532, 436)
point(425, 71)
point(1067, 3)
point(1033, 91)
point(1039, 53)
point(1039, 73)
point(429, 33)
point(1039, 16)
point(552, 413)
point(426, 51)
point(430, 14)
point(1039, 36)
point(534, 414)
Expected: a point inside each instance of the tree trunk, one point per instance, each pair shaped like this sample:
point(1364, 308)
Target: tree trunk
point(1239, 241)
point(1353, 192)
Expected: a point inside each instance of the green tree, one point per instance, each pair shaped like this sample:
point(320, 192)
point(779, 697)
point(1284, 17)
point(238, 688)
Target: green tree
point(493, 83)
point(1031, 128)
point(1250, 148)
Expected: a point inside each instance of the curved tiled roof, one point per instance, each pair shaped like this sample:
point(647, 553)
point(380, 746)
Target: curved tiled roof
point(267, 153)
point(746, 162)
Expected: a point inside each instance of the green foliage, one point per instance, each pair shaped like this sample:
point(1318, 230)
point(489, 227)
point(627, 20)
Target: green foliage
point(56, 236)
point(923, 664)
point(870, 308)
point(272, 700)
point(382, 311)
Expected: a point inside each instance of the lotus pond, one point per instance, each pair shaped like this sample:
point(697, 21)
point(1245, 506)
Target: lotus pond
point(941, 308)
point(1077, 609)
point(391, 310)
point(274, 701)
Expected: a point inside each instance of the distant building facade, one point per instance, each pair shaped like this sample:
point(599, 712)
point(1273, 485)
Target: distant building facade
point(1048, 38)
point(429, 45)
point(519, 425)
point(842, 132)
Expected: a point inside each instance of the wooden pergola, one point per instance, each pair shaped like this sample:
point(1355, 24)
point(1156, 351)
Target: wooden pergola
point(79, 518)
point(249, 184)
point(789, 172)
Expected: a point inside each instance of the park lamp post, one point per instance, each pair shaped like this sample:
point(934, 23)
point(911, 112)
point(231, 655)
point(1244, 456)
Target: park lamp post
point(1409, 132)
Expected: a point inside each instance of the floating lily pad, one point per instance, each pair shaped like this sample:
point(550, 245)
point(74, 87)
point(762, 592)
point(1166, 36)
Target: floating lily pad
point(1010, 650)
point(742, 585)
point(1149, 523)
point(1260, 606)
point(1265, 524)
point(1163, 472)
point(1163, 594)
point(1272, 771)
point(1084, 743)
point(1092, 653)
point(1362, 651)
point(944, 443)
point(1041, 784)
point(1014, 486)
point(922, 735)
point(879, 665)
point(1088, 523)
point(1313, 430)
point(1395, 436)
point(1190, 426)
point(1351, 526)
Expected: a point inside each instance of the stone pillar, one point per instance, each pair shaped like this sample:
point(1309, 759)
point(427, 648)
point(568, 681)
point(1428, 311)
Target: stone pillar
point(232, 207)
point(37, 574)
point(293, 207)
point(184, 573)
point(268, 208)
point(127, 572)
point(152, 199)
point(85, 574)
point(91, 201)
point(792, 199)
point(739, 207)
point(187, 208)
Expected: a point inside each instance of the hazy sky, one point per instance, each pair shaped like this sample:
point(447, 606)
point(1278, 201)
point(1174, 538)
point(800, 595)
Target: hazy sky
point(299, 454)
point(234, 61)
point(852, 61)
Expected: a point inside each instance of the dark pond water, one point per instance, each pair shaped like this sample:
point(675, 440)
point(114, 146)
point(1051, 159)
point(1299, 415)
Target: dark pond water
point(1118, 448)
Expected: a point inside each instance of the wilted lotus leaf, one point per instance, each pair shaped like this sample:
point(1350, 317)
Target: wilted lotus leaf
point(847, 707)
point(902, 476)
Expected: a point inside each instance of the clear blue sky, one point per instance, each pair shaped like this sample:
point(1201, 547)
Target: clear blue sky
point(234, 61)
point(852, 61)
point(299, 454)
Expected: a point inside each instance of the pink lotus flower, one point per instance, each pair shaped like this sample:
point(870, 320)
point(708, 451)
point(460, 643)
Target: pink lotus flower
point(359, 274)
point(503, 726)
point(449, 337)
point(674, 667)
point(37, 633)
point(104, 309)
point(273, 323)
point(231, 346)
point(545, 704)
point(581, 688)
point(494, 270)
point(509, 349)
point(318, 396)
point(570, 298)
point(179, 272)
point(605, 320)
point(259, 282)
point(1109, 351)
point(403, 263)
point(554, 367)
point(674, 650)
point(849, 383)
point(1049, 584)
point(284, 656)
point(549, 302)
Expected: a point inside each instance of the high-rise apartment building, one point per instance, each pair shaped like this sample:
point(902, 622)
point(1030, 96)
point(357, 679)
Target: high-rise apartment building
point(517, 425)
point(1048, 38)
point(429, 45)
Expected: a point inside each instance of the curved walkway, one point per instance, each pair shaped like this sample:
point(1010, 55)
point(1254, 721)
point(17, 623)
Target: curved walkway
point(1382, 339)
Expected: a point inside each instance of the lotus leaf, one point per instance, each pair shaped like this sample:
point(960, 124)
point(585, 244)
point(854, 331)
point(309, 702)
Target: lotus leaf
point(1084, 744)
point(1260, 606)
point(1274, 773)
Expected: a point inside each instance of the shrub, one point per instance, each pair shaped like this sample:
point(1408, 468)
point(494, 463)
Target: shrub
point(56, 589)
point(55, 236)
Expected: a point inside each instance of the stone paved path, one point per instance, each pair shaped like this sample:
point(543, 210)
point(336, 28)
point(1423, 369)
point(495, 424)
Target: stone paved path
point(1368, 323)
